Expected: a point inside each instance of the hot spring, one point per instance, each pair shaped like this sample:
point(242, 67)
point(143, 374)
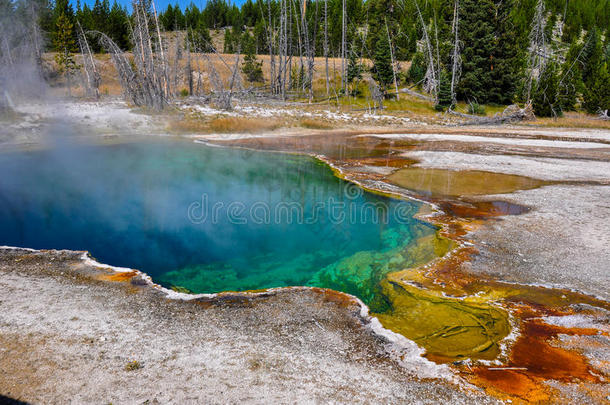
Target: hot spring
point(210, 219)
point(204, 218)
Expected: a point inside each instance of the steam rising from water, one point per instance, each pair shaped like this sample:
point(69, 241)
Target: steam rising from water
point(21, 47)
point(128, 204)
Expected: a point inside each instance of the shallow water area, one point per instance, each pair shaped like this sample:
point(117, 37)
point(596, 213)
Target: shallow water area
point(454, 183)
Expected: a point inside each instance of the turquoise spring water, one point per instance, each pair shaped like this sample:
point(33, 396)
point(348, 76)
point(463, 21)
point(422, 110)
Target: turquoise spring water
point(205, 218)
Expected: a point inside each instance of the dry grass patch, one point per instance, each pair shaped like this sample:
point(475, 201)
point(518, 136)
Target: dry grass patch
point(573, 120)
point(314, 124)
point(239, 124)
point(197, 125)
point(188, 125)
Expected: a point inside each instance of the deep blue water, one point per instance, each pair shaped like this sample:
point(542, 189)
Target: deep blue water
point(205, 218)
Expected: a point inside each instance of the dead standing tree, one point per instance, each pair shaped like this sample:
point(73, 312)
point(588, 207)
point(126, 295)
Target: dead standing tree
point(270, 38)
point(456, 58)
point(430, 79)
point(148, 84)
point(223, 94)
point(127, 77)
point(343, 46)
point(387, 30)
point(175, 72)
point(21, 65)
point(151, 68)
point(188, 68)
point(326, 47)
point(536, 61)
point(92, 76)
point(310, 47)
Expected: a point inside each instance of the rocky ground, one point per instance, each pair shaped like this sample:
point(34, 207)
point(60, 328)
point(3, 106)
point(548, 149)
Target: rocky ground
point(63, 317)
point(562, 242)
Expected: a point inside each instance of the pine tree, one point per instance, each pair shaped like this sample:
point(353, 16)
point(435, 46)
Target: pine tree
point(63, 9)
point(354, 72)
point(179, 20)
point(228, 42)
point(379, 11)
point(417, 71)
point(65, 44)
point(570, 83)
point(118, 24)
point(545, 100)
point(232, 39)
point(592, 56)
point(491, 59)
point(191, 16)
point(251, 67)
point(478, 38)
point(382, 63)
point(444, 93)
point(199, 36)
point(167, 18)
point(260, 35)
point(101, 11)
point(507, 59)
point(597, 95)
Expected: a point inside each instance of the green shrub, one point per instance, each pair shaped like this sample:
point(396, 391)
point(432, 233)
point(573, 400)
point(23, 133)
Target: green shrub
point(476, 108)
point(133, 365)
point(417, 71)
point(444, 93)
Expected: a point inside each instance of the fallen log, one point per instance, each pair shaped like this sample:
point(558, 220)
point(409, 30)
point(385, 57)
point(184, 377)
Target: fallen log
point(511, 114)
point(416, 94)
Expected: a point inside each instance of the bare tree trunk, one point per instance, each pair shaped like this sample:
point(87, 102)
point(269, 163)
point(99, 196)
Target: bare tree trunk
point(175, 74)
point(271, 55)
point(91, 74)
point(165, 77)
point(36, 36)
point(455, 55)
point(127, 77)
point(309, 50)
point(68, 81)
point(438, 54)
point(343, 46)
point(536, 62)
point(387, 30)
point(430, 73)
point(148, 85)
point(289, 78)
point(298, 14)
point(335, 80)
point(326, 46)
point(235, 78)
point(283, 48)
point(188, 69)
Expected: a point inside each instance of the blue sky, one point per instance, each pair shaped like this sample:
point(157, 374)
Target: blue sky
point(161, 4)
